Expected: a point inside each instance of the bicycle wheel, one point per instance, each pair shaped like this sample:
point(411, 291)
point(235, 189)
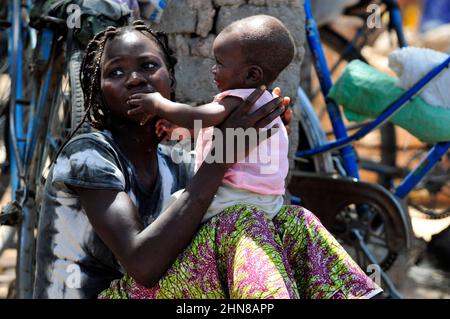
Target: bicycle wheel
point(66, 112)
point(430, 197)
point(392, 163)
point(77, 100)
point(53, 127)
point(376, 222)
point(310, 135)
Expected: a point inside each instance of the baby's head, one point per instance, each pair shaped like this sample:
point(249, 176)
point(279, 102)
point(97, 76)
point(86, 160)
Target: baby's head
point(251, 52)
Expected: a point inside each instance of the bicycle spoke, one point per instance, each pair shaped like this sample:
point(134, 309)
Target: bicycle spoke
point(381, 243)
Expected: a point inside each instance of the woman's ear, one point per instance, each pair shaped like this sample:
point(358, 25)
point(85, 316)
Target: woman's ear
point(255, 75)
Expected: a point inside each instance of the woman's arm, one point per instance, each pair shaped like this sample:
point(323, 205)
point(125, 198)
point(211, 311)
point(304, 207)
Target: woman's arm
point(147, 253)
point(184, 115)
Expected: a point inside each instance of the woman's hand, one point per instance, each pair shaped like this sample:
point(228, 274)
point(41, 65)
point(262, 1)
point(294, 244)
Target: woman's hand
point(286, 117)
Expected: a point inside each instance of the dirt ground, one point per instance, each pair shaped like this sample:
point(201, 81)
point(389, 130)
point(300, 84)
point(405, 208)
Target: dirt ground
point(7, 275)
point(425, 279)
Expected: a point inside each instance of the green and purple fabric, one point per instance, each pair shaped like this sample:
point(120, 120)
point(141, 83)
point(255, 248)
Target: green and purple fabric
point(240, 254)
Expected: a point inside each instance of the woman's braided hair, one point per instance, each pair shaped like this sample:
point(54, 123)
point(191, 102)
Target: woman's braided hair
point(96, 111)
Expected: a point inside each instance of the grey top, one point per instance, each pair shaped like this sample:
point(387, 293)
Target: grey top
point(72, 261)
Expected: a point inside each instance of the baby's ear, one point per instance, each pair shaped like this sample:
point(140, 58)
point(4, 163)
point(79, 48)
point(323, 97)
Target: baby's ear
point(255, 74)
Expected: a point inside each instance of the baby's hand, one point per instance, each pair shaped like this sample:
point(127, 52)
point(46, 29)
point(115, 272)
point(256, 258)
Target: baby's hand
point(146, 105)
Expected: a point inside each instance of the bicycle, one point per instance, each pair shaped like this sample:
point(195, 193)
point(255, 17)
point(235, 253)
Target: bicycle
point(45, 106)
point(36, 70)
point(387, 16)
point(372, 222)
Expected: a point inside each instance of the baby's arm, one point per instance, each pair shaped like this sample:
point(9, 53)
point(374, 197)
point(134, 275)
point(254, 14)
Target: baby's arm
point(211, 114)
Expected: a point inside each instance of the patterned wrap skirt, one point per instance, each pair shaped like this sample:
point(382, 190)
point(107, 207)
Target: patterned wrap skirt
point(240, 254)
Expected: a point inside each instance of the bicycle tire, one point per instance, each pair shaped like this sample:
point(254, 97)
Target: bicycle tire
point(340, 44)
point(58, 126)
point(310, 135)
point(26, 256)
point(77, 109)
point(53, 130)
point(69, 101)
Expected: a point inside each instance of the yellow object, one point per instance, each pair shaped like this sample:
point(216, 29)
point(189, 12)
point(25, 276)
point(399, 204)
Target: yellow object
point(411, 16)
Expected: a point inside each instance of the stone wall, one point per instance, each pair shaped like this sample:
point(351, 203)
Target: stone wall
point(192, 26)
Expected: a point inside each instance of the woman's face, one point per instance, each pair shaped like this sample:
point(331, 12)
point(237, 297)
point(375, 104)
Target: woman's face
point(131, 63)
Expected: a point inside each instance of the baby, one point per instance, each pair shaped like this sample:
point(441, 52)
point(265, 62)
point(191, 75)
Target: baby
point(249, 53)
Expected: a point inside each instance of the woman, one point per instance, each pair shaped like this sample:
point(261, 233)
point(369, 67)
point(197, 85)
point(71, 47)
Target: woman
point(102, 217)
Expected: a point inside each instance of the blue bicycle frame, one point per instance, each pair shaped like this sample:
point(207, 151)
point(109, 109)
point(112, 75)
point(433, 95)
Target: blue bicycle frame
point(343, 141)
point(23, 139)
point(17, 134)
point(396, 21)
point(323, 72)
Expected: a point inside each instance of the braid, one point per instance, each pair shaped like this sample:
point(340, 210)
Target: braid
point(89, 76)
point(95, 110)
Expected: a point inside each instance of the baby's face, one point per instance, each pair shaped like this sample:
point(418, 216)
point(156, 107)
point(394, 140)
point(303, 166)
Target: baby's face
point(230, 70)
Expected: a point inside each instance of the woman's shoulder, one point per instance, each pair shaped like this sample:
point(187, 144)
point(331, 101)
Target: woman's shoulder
point(92, 142)
point(90, 160)
point(93, 149)
point(90, 139)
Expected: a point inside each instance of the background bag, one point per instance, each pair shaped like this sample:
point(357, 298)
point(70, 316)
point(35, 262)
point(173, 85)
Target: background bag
point(365, 92)
point(94, 15)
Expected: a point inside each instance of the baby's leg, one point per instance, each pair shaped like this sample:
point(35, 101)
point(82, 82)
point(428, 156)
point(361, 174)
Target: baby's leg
point(251, 260)
point(322, 268)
